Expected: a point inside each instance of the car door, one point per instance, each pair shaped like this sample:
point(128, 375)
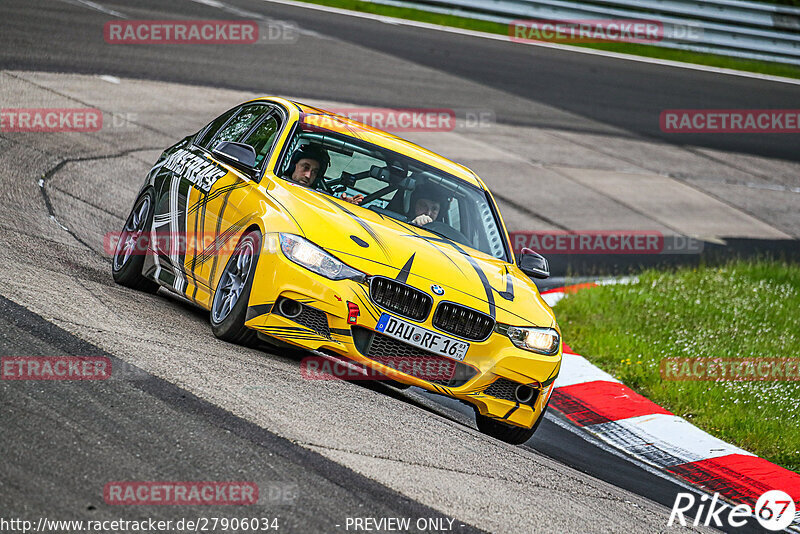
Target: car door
point(194, 201)
point(234, 207)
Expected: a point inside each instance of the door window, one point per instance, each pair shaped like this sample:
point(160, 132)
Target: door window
point(241, 123)
point(262, 137)
point(211, 130)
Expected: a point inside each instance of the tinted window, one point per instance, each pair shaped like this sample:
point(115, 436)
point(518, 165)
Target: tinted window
point(215, 125)
point(262, 137)
point(240, 124)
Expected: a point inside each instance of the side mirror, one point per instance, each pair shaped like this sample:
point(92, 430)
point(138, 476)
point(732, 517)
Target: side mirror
point(534, 264)
point(239, 155)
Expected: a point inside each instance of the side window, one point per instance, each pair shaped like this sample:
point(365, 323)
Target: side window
point(240, 124)
point(212, 128)
point(263, 137)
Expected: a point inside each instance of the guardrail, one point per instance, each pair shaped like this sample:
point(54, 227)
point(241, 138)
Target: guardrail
point(748, 30)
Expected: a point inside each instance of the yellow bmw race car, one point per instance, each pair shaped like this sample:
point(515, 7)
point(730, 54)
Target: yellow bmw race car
point(294, 225)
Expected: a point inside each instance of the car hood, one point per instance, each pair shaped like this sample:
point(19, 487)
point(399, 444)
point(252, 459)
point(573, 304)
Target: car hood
point(380, 245)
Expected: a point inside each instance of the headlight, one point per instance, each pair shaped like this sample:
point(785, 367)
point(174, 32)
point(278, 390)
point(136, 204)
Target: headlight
point(532, 338)
point(304, 252)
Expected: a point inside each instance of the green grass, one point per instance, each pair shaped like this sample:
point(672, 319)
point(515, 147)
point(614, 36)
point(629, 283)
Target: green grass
point(743, 309)
point(713, 60)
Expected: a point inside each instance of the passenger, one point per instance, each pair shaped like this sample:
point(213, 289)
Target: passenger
point(427, 203)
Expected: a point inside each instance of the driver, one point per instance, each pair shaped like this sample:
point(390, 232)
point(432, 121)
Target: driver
point(309, 162)
point(427, 203)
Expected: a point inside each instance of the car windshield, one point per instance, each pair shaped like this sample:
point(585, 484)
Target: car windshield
point(402, 188)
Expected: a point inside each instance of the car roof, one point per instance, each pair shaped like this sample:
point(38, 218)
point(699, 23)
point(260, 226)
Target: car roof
point(334, 122)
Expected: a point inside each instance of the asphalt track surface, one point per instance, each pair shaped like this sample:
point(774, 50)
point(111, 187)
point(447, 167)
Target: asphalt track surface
point(154, 422)
point(149, 425)
point(538, 86)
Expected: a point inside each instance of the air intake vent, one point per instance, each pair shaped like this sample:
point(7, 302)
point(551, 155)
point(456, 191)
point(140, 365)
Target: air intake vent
point(400, 298)
point(462, 321)
point(506, 389)
point(314, 319)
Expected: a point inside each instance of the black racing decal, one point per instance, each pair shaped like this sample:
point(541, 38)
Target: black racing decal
point(408, 227)
point(295, 329)
point(208, 197)
point(166, 275)
point(402, 276)
point(481, 275)
point(201, 173)
point(549, 381)
point(344, 252)
point(360, 242)
point(512, 410)
point(367, 303)
point(199, 220)
point(371, 231)
point(220, 216)
point(341, 331)
point(211, 251)
point(439, 389)
point(508, 294)
point(405, 226)
point(154, 171)
point(175, 240)
point(289, 332)
point(257, 310)
point(289, 213)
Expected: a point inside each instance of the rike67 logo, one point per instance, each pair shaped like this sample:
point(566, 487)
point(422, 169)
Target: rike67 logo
point(774, 510)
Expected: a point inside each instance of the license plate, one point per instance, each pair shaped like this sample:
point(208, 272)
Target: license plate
point(422, 337)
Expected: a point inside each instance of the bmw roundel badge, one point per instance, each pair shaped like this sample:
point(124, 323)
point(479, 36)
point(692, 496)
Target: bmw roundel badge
point(437, 290)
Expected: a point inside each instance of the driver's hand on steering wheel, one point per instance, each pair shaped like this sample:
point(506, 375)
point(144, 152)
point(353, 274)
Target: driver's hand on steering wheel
point(422, 220)
point(353, 200)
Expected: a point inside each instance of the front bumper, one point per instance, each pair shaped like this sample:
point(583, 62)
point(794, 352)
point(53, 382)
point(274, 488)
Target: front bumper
point(485, 362)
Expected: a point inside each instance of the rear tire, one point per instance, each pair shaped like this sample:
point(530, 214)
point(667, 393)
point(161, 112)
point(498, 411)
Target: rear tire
point(229, 306)
point(515, 435)
point(128, 260)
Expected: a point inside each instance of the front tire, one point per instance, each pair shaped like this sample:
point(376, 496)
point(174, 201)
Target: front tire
point(134, 240)
point(229, 306)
